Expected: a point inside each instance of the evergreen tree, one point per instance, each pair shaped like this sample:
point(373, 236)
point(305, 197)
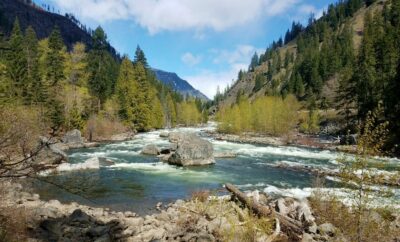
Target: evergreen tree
point(55, 58)
point(143, 111)
point(16, 61)
point(102, 68)
point(126, 91)
point(366, 75)
point(34, 89)
point(254, 62)
point(140, 57)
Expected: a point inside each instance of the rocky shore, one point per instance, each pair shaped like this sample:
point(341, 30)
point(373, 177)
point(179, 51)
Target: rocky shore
point(203, 218)
point(299, 140)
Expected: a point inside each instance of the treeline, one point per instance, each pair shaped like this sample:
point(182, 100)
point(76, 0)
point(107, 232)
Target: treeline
point(268, 115)
point(87, 90)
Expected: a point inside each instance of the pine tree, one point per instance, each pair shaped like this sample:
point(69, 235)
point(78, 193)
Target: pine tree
point(75, 118)
point(16, 61)
point(34, 88)
point(366, 75)
point(254, 62)
point(140, 57)
point(55, 58)
point(102, 68)
point(143, 111)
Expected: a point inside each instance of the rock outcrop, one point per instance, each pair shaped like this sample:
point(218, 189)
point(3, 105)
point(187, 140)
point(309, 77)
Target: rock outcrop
point(191, 151)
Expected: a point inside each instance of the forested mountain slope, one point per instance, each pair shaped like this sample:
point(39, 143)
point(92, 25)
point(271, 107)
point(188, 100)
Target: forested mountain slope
point(348, 60)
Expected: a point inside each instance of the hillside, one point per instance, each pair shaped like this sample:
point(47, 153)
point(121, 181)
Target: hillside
point(178, 84)
point(272, 84)
point(43, 23)
point(340, 68)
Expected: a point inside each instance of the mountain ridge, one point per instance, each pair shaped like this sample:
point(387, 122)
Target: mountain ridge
point(178, 84)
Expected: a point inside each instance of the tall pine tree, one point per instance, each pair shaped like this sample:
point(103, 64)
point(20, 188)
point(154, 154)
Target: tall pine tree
point(16, 61)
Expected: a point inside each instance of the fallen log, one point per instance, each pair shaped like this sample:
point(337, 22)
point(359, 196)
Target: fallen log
point(290, 226)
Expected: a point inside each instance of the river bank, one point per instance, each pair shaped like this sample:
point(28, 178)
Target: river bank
point(203, 218)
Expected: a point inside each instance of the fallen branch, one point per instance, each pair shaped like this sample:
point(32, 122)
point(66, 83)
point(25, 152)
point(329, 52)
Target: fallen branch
point(290, 226)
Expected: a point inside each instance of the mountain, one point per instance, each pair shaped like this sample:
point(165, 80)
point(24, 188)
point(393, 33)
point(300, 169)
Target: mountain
point(43, 22)
point(178, 84)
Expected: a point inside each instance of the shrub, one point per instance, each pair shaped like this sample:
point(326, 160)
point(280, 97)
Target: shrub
point(268, 115)
point(100, 127)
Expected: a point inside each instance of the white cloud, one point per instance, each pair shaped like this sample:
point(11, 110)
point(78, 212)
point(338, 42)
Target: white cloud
point(190, 59)
point(175, 15)
point(238, 59)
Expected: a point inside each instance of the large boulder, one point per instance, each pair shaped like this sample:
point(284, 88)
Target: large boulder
point(151, 150)
point(192, 151)
point(73, 137)
point(50, 154)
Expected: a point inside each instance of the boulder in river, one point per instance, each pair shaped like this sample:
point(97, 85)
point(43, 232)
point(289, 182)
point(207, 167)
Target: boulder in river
point(192, 151)
point(73, 137)
point(164, 134)
point(151, 150)
point(50, 154)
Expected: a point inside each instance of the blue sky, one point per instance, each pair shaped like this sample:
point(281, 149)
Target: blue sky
point(205, 42)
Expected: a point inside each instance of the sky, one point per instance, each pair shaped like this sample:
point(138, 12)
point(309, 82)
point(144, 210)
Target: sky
point(206, 42)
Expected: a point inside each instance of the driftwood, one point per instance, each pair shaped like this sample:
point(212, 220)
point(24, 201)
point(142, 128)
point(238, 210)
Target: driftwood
point(290, 226)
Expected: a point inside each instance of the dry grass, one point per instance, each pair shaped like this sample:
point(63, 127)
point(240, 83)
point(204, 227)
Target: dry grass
point(376, 224)
point(100, 128)
point(13, 221)
point(235, 224)
point(201, 196)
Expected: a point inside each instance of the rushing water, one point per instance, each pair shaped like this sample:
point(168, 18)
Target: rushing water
point(138, 182)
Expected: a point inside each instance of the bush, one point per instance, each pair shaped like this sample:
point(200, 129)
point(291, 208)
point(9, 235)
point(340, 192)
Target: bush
point(100, 127)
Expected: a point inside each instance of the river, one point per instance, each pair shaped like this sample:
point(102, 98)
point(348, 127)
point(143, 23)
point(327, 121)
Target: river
point(137, 182)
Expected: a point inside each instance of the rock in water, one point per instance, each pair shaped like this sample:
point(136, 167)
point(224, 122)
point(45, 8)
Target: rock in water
point(73, 137)
point(151, 150)
point(192, 151)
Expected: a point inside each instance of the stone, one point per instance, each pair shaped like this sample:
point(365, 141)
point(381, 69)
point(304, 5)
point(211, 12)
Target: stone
point(49, 154)
point(225, 155)
point(105, 162)
point(164, 134)
point(79, 216)
point(98, 231)
point(348, 139)
point(73, 136)
point(129, 214)
point(175, 137)
point(153, 234)
point(307, 238)
point(150, 150)
point(327, 229)
point(192, 151)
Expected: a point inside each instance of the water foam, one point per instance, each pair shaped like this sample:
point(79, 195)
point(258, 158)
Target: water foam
point(92, 163)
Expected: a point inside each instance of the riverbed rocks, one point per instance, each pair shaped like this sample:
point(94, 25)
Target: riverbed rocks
point(151, 150)
point(191, 151)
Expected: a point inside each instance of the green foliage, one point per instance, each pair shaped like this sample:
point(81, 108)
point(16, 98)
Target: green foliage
point(188, 113)
point(16, 61)
point(102, 68)
point(55, 58)
point(268, 115)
